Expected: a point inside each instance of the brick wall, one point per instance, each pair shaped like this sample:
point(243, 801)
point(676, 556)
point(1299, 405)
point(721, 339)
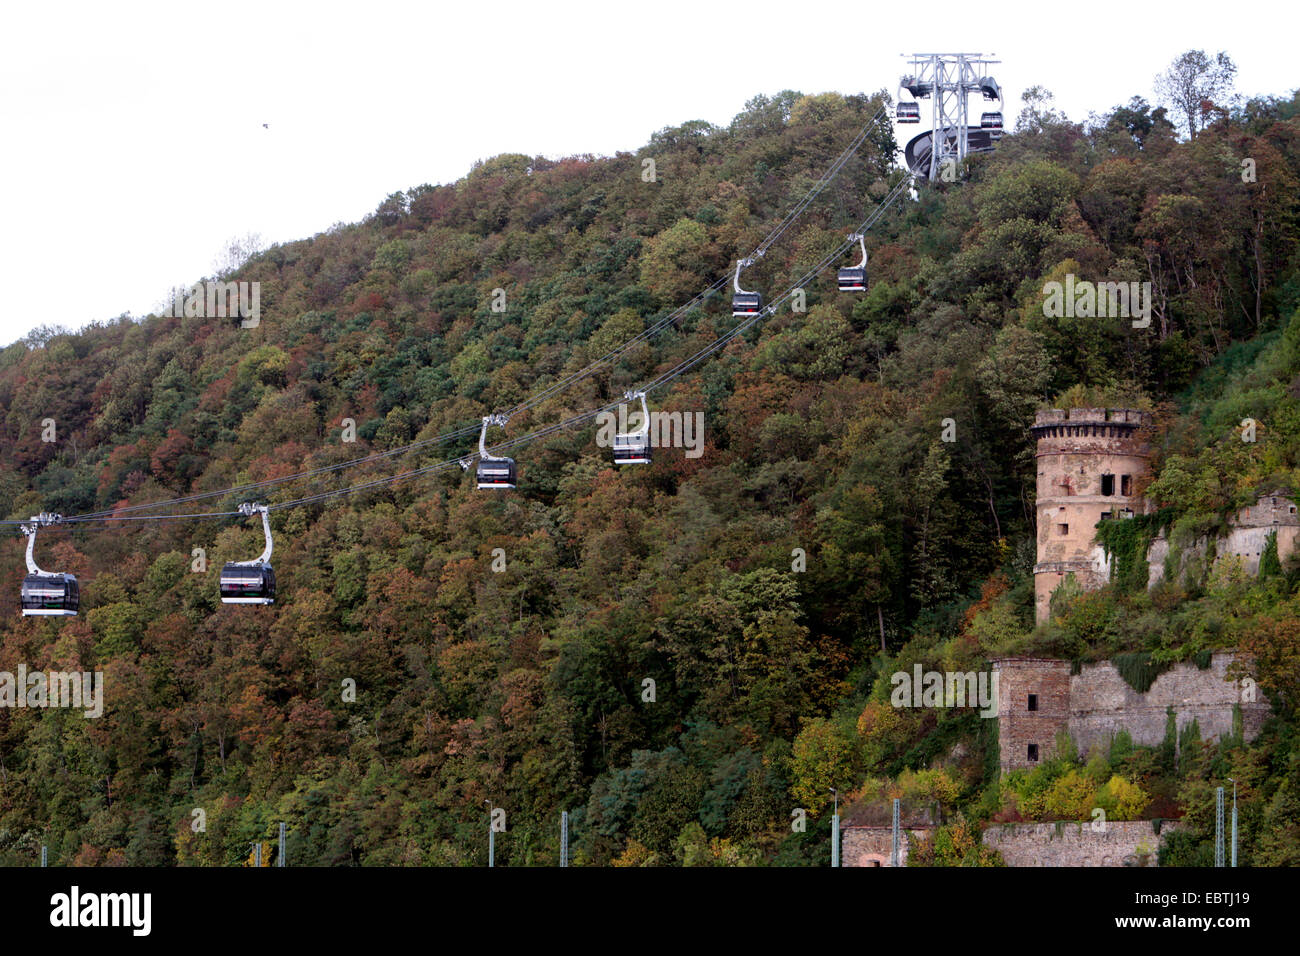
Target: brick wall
point(872, 846)
point(1018, 726)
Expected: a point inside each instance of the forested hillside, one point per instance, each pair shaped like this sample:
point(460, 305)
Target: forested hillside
point(525, 686)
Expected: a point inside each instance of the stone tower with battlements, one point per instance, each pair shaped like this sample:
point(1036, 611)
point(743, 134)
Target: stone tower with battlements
point(1089, 463)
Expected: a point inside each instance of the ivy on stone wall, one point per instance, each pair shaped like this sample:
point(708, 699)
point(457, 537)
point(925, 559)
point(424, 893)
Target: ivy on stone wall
point(1139, 670)
point(1126, 542)
point(1269, 564)
point(1167, 753)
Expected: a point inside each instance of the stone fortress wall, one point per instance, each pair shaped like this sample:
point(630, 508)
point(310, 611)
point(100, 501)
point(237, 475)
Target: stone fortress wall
point(1273, 512)
point(1127, 843)
point(1038, 698)
point(1132, 843)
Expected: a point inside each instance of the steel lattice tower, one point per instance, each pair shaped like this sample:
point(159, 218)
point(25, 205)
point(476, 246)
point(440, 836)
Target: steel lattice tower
point(947, 79)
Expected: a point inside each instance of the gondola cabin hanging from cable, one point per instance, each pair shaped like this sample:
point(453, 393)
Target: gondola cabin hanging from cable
point(745, 303)
point(854, 278)
point(909, 111)
point(633, 448)
point(992, 120)
point(44, 594)
point(492, 471)
point(250, 582)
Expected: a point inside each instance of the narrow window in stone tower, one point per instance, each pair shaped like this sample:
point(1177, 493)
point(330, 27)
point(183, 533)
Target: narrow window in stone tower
point(1063, 529)
point(1033, 753)
point(1033, 701)
point(1108, 484)
point(1126, 485)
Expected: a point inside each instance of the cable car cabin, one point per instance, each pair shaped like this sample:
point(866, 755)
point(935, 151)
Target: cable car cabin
point(633, 449)
point(990, 121)
point(853, 280)
point(908, 113)
point(496, 473)
point(50, 595)
point(746, 303)
point(247, 584)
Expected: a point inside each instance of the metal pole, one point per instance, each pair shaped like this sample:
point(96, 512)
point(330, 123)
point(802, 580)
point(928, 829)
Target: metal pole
point(283, 859)
point(961, 107)
point(1234, 834)
point(564, 838)
point(893, 858)
point(936, 113)
point(1234, 823)
point(835, 830)
point(1218, 826)
point(257, 855)
point(492, 837)
point(45, 855)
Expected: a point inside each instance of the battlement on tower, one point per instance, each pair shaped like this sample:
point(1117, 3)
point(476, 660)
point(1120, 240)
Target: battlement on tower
point(1057, 423)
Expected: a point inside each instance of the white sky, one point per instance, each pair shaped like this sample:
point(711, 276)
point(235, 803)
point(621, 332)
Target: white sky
point(133, 145)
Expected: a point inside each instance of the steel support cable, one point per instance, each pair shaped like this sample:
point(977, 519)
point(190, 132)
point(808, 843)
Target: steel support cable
point(608, 359)
point(94, 521)
point(570, 422)
point(269, 482)
point(821, 184)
